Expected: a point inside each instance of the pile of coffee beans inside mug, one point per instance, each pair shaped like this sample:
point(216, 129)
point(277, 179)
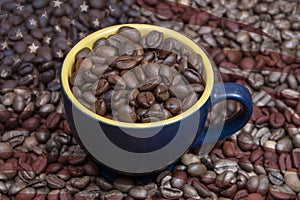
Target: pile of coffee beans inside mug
point(133, 78)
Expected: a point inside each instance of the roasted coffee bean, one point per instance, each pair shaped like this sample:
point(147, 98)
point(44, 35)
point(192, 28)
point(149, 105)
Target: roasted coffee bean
point(284, 145)
point(130, 80)
point(31, 124)
point(6, 150)
point(152, 70)
point(189, 101)
point(131, 33)
point(196, 169)
point(123, 184)
point(276, 178)
point(80, 183)
point(224, 164)
point(112, 194)
point(146, 99)
point(189, 191)
point(100, 107)
point(127, 62)
point(179, 90)
point(173, 105)
point(282, 192)
point(54, 182)
point(153, 39)
point(138, 192)
point(149, 85)
point(145, 64)
point(161, 93)
point(83, 53)
point(126, 113)
point(192, 76)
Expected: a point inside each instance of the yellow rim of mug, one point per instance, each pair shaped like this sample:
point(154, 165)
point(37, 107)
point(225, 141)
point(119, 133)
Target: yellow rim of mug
point(88, 41)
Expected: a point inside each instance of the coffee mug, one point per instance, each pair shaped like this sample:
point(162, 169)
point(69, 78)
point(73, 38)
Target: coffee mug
point(144, 148)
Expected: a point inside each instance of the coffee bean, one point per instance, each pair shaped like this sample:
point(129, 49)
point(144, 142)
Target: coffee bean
point(153, 39)
point(189, 158)
point(179, 179)
point(146, 99)
point(291, 179)
point(113, 194)
point(179, 90)
point(152, 70)
point(230, 149)
point(127, 62)
point(80, 183)
point(83, 53)
point(26, 193)
point(54, 182)
point(103, 184)
point(42, 135)
point(31, 124)
point(196, 169)
point(192, 76)
point(53, 120)
point(126, 114)
point(16, 187)
point(282, 192)
point(130, 80)
point(189, 191)
point(170, 192)
point(138, 192)
point(116, 40)
point(223, 164)
point(284, 145)
point(130, 33)
point(30, 142)
point(6, 150)
point(173, 105)
point(276, 178)
point(161, 93)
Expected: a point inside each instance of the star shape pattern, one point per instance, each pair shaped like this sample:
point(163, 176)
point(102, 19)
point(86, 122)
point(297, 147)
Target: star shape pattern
point(19, 6)
point(96, 23)
point(19, 33)
point(84, 7)
point(57, 28)
point(4, 45)
point(57, 3)
point(32, 22)
point(82, 35)
point(60, 54)
point(32, 48)
point(45, 14)
point(47, 39)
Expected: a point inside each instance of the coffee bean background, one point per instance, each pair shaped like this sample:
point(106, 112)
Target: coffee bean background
point(39, 157)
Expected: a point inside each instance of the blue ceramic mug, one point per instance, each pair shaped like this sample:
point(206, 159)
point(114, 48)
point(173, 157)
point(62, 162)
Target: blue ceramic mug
point(144, 148)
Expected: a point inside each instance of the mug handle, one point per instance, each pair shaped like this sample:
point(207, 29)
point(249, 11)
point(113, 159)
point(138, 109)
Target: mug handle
point(233, 91)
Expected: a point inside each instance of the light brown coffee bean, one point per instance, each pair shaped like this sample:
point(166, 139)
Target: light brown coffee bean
point(138, 192)
point(189, 101)
point(130, 80)
point(54, 182)
point(106, 51)
point(131, 33)
point(6, 150)
point(196, 169)
point(126, 113)
point(80, 183)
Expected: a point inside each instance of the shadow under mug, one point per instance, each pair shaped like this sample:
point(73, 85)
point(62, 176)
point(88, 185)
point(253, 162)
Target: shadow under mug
point(145, 148)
